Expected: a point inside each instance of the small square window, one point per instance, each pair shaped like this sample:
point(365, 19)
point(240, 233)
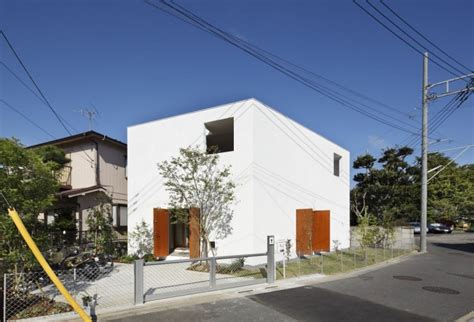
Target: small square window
point(220, 136)
point(337, 161)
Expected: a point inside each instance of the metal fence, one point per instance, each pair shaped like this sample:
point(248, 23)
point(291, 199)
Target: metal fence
point(164, 279)
point(339, 261)
point(32, 294)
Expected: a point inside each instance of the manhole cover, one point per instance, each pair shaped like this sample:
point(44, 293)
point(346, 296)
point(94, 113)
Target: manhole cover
point(442, 290)
point(407, 278)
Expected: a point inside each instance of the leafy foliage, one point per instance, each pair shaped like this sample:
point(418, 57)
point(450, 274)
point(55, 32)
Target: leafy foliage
point(194, 179)
point(141, 239)
point(28, 180)
point(99, 221)
point(390, 187)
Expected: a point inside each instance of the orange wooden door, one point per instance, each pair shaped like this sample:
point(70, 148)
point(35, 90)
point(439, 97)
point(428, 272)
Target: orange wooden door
point(304, 223)
point(161, 226)
point(194, 233)
point(321, 230)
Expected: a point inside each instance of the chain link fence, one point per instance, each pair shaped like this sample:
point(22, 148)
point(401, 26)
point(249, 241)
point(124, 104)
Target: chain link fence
point(32, 294)
point(339, 261)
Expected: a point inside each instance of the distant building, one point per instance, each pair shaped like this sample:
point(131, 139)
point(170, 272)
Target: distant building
point(291, 182)
point(97, 169)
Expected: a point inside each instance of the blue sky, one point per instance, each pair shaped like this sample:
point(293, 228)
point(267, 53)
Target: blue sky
point(135, 64)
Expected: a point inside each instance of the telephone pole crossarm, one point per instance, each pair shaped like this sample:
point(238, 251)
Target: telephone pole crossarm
point(448, 85)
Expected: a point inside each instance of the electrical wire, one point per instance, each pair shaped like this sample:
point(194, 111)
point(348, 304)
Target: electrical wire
point(402, 39)
point(26, 118)
point(18, 78)
point(33, 81)
point(423, 36)
point(178, 12)
point(414, 39)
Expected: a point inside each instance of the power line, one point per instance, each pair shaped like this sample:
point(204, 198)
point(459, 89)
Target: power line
point(18, 78)
point(401, 38)
point(192, 19)
point(33, 81)
point(26, 117)
point(414, 39)
point(423, 36)
point(236, 40)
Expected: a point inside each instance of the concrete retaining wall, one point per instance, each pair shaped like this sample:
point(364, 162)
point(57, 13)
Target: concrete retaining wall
point(403, 238)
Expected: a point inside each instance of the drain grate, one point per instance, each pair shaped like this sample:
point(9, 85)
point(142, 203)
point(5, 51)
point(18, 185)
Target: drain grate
point(441, 290)
point(407, 278)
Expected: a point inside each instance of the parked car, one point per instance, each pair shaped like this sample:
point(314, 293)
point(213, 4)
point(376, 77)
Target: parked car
point(416, 227)
point(438, 228)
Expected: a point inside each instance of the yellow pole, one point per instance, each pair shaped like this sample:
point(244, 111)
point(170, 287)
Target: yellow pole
point(44, 264)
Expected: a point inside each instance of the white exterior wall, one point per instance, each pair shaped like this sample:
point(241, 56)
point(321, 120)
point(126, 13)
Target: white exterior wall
point(154, 142)
point(293, 169)
point(274, 175)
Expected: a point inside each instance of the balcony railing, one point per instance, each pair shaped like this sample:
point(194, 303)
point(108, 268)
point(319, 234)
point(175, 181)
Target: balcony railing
point(64, 176)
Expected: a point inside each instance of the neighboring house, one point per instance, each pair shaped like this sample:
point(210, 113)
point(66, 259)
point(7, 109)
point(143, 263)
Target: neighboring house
point(291, 182)
point(97, 169)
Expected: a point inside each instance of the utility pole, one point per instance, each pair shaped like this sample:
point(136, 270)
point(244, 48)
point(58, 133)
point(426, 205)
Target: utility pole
point(424, 156)
point(426, 97)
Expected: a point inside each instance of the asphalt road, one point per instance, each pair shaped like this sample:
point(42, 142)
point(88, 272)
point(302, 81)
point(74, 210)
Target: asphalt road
point(437, 286)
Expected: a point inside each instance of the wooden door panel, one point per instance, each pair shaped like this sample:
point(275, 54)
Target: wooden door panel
point(304, 223)
point(194, 233)
point(161, 225)
point(321, 230)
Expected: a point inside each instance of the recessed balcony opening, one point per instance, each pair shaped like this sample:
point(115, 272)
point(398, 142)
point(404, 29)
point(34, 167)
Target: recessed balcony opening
point(220, 136)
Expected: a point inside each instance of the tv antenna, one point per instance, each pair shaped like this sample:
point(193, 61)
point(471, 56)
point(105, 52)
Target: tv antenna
point(90, 114)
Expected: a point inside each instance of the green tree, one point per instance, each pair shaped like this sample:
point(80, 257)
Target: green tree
point(387, 184)
point(391, 187)
point(28, 178)
point(195, 179)
point(141, 239)
point(99, 221)
point(451, 191)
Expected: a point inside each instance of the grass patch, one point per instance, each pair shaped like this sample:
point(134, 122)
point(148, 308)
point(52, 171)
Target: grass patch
point(336, 262)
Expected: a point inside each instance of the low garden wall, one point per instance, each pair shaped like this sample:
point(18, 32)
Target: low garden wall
point(403, 237)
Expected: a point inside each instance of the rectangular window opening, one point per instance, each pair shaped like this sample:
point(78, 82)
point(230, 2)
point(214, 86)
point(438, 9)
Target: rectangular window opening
point(337, 159)
point(220, 136)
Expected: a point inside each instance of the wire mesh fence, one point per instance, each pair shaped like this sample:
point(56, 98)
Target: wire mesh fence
point(165, 278)
point(173, 278)
point(32, 294)
point(240, 269)
point(339, 261)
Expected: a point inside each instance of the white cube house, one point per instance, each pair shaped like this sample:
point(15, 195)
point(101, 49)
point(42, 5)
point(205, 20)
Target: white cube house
point(279, 166)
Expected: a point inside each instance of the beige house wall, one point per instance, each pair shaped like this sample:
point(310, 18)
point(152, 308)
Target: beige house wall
point(112, 163)
point(83, 159)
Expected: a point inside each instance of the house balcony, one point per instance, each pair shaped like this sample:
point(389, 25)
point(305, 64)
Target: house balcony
point(64, 177)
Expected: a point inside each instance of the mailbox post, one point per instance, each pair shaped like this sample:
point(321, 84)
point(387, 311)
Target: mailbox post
point(270, 259)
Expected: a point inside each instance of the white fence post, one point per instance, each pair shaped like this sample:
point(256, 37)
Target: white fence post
point(212, 273)
point(5, 297)
point(138, 281)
